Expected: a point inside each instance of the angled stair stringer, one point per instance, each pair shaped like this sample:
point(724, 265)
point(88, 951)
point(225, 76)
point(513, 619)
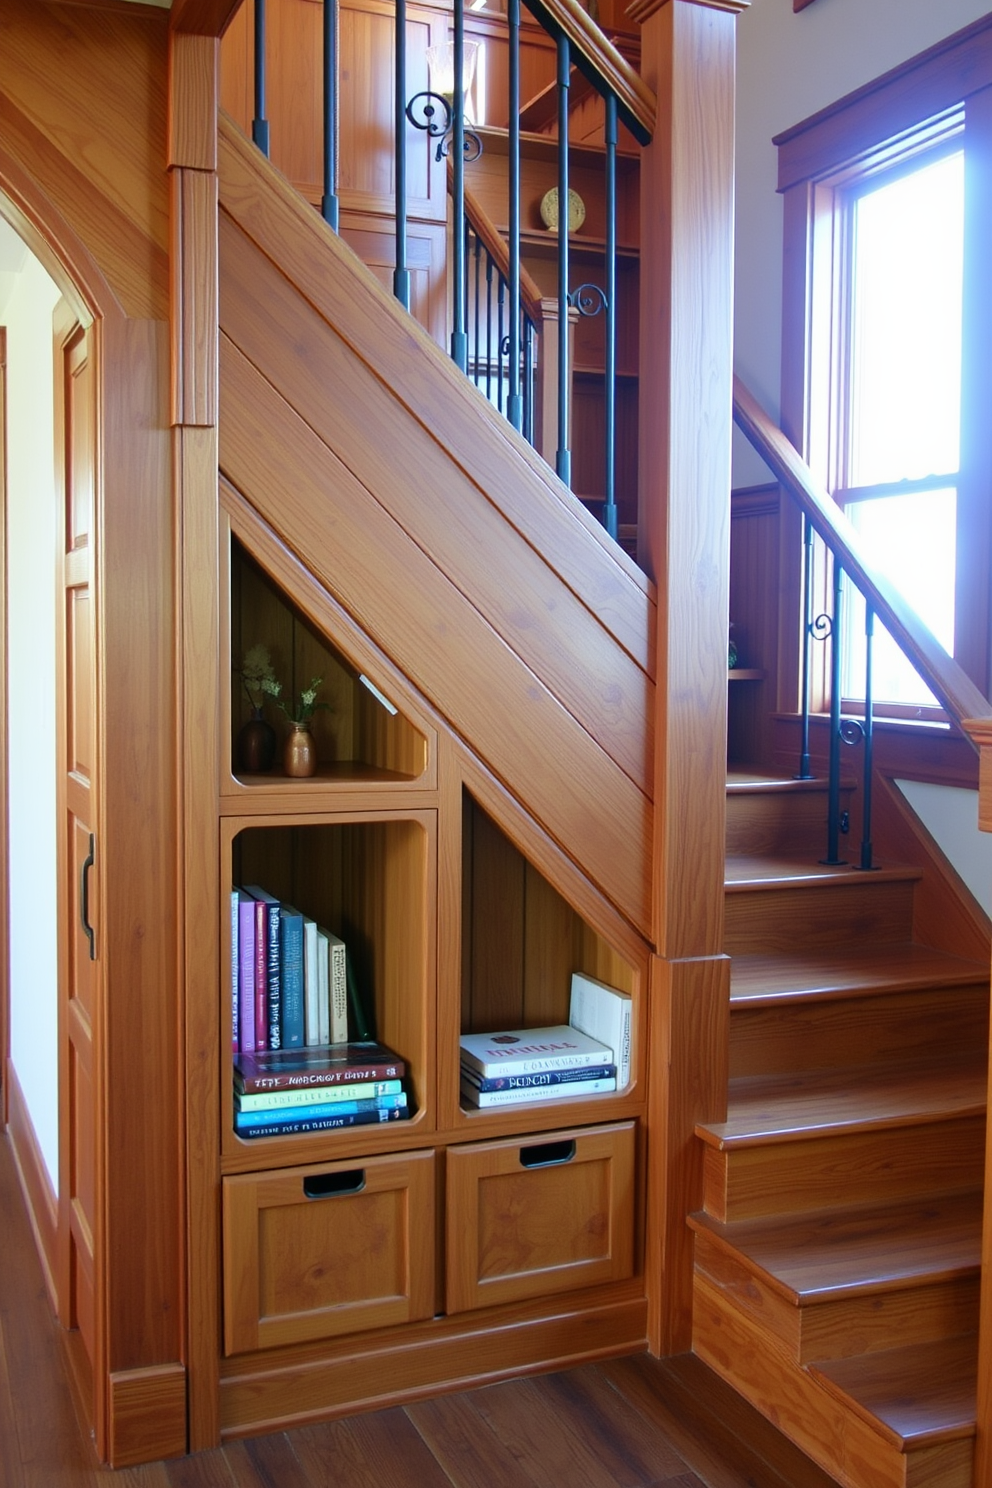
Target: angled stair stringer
point(436, 527)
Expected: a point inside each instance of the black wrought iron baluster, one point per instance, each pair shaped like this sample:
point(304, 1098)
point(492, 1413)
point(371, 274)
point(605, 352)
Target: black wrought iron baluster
point(260, 124)
point(500, 340)
point(833, 774)
point(529, 379)
point(489, 325)
point(804, 770)
point(610, 329)
point(869, 733)
point(401, 274)
point(475, 310)
point(563, 455)
point(459, 348)
point(329, 200)
point(514, 402)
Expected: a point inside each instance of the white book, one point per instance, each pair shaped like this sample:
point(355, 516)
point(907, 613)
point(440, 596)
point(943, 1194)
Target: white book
point(311, 984)
point(525, 1051)
point(573, 1091)
point(323, 988)
point(338, 989)
point(604, 1013)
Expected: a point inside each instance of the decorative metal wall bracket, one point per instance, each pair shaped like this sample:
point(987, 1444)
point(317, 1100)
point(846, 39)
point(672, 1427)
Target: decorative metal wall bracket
point(433, 113)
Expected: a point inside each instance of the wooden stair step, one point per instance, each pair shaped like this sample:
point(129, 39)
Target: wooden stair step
point(779, 871)
point(914, 1397)
point(789, 904)
point(824, 1102)
point(765, 980)
point(836, 1283)
point(845, 1414)
point(767, 814)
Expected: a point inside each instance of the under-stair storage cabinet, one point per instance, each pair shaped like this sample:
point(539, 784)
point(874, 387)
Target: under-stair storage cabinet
point(373, 1261)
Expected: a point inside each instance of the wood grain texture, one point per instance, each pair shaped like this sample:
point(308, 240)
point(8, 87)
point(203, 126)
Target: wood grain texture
point(370, 321)
point(203, 17)
point(81, 141)
point(688, 1061)
point(267, 451)
point(438, 509)
point(684, 457)
point(39, 1196)
point(194, 299)
point(193, 81)
point(147, 1414)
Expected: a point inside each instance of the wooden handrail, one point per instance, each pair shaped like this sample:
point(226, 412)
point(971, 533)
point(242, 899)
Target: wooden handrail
point(942, 674)
point(489, 237)
point(601, 62)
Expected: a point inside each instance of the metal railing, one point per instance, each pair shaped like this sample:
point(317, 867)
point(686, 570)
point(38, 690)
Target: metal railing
point(951, 686)
point(498, 341)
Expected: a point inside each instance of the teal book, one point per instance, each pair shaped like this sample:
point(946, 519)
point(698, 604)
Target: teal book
point(245, 1119)
point(322, 1123)
point(293, 978)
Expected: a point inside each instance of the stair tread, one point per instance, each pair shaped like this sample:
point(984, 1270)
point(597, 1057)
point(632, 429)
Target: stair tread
point(765, 1108)
point(765, 979)
point(753, 871)
point(821, 1257)
point(919, 1396)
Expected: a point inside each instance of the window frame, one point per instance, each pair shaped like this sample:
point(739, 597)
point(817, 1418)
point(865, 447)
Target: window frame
point(943, 95)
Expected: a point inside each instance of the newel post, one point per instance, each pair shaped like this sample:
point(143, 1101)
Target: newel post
point(687, 194)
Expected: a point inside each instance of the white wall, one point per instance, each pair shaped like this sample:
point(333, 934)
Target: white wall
point(790, 66)
point(31, 591)
point(950, 815)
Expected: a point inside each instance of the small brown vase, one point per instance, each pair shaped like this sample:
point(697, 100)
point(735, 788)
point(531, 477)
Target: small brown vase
point(256, 746)
point(300, 755)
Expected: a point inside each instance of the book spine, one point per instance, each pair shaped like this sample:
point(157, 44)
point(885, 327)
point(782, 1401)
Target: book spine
point(246, 975)
point(489, 1068)
point(261, 976)
point(235, 975)
point(574, 1091)
point(281, 1100)
point(273, 973)
point(338, 983)
point(536, 1082)
point(293, 1012)
point(300, 1079)
point(316, 1110)
point(323, 1123)
point(324, 990)
point(311, 983)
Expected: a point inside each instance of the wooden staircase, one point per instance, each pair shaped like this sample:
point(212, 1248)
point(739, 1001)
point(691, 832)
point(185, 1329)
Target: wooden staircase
point(837, 1253)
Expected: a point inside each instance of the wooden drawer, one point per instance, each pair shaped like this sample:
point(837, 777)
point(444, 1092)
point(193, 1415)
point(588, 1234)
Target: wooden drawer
point(535, 1215)
point(319, 1251)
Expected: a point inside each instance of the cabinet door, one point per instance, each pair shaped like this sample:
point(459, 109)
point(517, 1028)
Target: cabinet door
point(535, 1215)
point(320, 1251)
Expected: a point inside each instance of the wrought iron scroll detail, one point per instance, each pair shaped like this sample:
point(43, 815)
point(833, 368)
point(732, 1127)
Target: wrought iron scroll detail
point(588, 299)
point(433, 113)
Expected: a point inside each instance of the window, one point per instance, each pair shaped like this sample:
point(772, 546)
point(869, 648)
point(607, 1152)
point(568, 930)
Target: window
point(887, 342)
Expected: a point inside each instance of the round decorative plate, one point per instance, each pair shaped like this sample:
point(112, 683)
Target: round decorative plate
point(576, 209)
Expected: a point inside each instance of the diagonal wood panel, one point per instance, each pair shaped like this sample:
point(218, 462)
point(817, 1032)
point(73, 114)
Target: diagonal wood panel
point(398, 351)
point(438, 638)
point(445, 513)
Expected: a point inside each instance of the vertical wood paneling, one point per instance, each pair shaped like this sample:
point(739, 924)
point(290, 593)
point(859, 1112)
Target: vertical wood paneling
point(193, 64)
point(194, 299)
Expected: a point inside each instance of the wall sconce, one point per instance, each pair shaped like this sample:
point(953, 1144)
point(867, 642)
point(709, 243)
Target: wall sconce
point(433, 110)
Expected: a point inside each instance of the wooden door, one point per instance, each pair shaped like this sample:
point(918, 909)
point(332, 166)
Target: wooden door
point(79, 942)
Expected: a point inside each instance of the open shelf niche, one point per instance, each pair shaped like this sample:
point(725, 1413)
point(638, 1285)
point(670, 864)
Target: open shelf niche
point(521, 940)
point(360, 736)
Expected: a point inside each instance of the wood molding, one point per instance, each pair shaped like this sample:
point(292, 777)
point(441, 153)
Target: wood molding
point(194, 63)
point(39, 1194)
point(642, 10)
point(203, 17)
point(147, 1416)
point(194, 298)
point(929, 83)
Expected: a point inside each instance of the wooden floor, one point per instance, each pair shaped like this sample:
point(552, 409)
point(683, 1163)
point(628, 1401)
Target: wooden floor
point(631, 1423)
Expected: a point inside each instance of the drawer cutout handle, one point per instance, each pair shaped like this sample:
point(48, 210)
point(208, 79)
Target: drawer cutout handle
point(547, 1154)
point(333, 1185)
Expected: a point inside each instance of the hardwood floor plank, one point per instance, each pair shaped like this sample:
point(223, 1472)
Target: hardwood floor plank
point(369, 1452)
point(632, 1446)
point(267, 1462)
point(202, 1470)
point(11, 1475)
point(470, 1453)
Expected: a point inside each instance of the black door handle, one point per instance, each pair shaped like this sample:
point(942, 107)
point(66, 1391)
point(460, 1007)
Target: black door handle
point(84, 899)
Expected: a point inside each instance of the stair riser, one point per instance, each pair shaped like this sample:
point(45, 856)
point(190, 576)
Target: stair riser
point(908, 1316)
point(874, 1167)
point(864, 911)
point(766, 823)
point(825, 1034)
point(836, 1437)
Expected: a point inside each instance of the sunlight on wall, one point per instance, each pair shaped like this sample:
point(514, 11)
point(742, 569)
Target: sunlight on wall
point(950, 815)
point(32, 544)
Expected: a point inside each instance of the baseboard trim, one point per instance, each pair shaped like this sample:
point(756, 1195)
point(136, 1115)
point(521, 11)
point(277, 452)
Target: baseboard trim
point(147, 1418)
point(39, 1196)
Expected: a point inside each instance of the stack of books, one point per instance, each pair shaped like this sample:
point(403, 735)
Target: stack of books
point(292, 984)
point(290, 1092)
point(588, 1055)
